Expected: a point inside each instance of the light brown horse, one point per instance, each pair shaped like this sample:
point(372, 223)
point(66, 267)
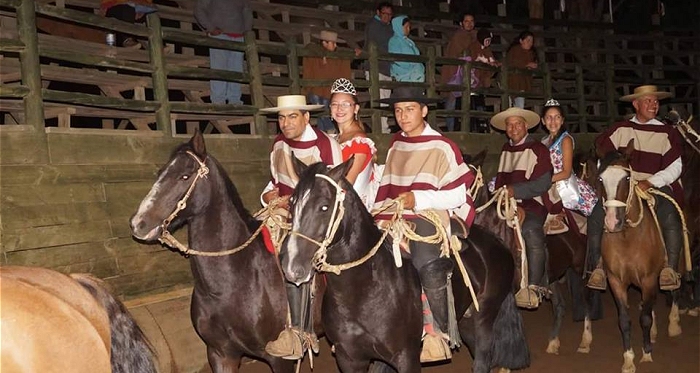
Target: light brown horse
point(51, 322)
point(632, 250)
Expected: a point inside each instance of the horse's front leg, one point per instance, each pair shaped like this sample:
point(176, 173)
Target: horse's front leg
point(674, 326)
point(559, 308)
point(646, 319)
point(279, 365)
point(348, 362)
point(220, 363)
point(619, 291)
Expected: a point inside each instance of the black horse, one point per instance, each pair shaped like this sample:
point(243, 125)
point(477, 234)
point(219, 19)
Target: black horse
point(373, 311)
point(239, 301)
point(566, 261)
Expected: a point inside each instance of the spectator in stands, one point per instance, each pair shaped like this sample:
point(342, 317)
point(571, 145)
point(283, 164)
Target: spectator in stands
point(324, 65)
point(521, 55)
point(378, 31)
point(457, 47)
point(225, 20)
point(481, 52)
point(400, 43)
point(131, 11)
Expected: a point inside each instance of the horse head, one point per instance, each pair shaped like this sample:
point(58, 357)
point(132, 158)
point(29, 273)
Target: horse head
point(317, 207)
point(615, 186)
point(171, 200)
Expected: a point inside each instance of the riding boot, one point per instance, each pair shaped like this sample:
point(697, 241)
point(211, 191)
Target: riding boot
point(536, 252)
point(295, 338)
point(597, 279)
point(670, 279)
point(434, 281)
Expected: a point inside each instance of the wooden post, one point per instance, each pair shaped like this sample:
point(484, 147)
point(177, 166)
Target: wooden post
point(160, 75)
point(430, 79)
point(255, 83)
point(610, 90)
point(466, 96)
point(31, 67)
point(374, 89)
point(581, 99)
point(293, 66)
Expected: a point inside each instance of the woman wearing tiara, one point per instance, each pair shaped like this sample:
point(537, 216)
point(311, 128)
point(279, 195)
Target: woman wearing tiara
point(567, 191)
point(353, 140)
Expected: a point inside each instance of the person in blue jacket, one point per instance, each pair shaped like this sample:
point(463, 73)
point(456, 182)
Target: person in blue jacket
point(400, 43)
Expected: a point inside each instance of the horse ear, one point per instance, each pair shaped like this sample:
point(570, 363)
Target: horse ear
point(479, 159)
point(197, 144)
point(299, 166)
point(339, 171)
point(629, 149)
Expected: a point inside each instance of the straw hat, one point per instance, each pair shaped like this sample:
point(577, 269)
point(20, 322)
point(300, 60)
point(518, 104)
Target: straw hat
point(646, 90)
point(327, 35)
point(291, 102)
point(408, 94)
point(499, 120)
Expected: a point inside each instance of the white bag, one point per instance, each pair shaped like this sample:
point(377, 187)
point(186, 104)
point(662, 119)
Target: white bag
point(569, 192)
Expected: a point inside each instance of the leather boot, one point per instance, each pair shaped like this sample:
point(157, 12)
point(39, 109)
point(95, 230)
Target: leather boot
point(434, 281)
point(293, 340)
point(536, 269)
point(597, 279)
point(669, 278)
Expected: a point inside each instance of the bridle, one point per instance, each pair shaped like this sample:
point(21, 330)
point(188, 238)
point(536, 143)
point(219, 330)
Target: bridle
point(634, 191)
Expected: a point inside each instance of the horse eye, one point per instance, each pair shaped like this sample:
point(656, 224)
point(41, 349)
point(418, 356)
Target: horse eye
point(185, 177)
point(324, 208)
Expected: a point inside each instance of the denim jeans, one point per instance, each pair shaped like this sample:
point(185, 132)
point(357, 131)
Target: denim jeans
point(324, 123)
point(517, 102)
point(222, 59)
point(450, 104)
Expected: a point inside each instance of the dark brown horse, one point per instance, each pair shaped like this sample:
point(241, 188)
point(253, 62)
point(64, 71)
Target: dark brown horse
point(631, 249)
point(566, 259)
point(52, 322)
point(239, 301)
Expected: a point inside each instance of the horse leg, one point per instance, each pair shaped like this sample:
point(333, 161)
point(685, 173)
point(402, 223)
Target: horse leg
point(467, 329)
point(559, 308)
point(674, 326)
point(279, 365)
point(619, 291)
point(407, 361)
point(483, 341)
point(223, 363)
point(649, 292)
point(348, 363)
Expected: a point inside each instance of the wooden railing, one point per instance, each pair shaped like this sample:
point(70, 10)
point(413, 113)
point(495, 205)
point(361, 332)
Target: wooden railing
point(587, 72)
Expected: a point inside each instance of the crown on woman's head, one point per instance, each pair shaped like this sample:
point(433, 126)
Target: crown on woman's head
point(343, 85)
point(551, 102)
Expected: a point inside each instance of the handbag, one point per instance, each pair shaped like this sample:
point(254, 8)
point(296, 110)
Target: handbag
point(569, 192)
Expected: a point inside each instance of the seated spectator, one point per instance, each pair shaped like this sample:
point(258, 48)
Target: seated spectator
point(326, 65)
point(402, 44)
point(131, 11)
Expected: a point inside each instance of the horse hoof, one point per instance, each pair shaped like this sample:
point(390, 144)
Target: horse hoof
point(674, 330)
point(694, 312)
point(646, 358)
point(584, 349)
point(682, 311)
point(553, 346)
point(628, 366)
point(504, 370)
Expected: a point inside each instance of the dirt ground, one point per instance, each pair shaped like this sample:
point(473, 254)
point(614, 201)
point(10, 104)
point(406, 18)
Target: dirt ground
point(671, 355)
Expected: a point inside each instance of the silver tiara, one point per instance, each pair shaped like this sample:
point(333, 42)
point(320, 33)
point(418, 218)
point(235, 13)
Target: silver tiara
point(343, 85)
point(551, 102)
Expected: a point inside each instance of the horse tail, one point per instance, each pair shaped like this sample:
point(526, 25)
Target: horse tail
point(131, 352)
point(509, 347)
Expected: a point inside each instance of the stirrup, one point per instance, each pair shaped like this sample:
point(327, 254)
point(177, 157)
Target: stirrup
point(597, 280)
point(669, 279)
point(435, 348)
point(527, 298)
point(288, 345)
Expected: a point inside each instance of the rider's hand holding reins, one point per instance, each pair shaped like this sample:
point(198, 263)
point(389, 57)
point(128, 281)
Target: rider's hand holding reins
point(409, 200)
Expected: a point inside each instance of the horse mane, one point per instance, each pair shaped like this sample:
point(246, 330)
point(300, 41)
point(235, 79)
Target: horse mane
point(231, 190)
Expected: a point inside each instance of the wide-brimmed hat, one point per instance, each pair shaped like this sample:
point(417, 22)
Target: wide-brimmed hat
point(409, 94)
point(327, 35)
point(291, 102)
point(499, 120)
point(646, 90)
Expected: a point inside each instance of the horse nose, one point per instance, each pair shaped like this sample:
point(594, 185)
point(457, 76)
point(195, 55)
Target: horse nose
point(296, 275)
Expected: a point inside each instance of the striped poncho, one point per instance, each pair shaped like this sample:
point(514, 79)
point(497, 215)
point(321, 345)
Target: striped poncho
point(522, 163)
point(431, 166)
point(314, 146)
point(657, 150)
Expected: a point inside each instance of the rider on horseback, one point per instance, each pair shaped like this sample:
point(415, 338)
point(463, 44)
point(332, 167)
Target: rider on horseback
point(427, 171)
point(656, 162)
point(309, 145)
point(526, 172)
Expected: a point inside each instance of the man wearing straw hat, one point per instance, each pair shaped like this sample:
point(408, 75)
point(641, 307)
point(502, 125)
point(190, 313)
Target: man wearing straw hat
point(427, 171)
point(656, 162)
point(309, 145)
point(525, 171)
point(324, 64)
